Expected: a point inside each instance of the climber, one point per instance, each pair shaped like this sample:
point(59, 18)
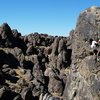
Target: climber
point(93, 43)
point(94, 46)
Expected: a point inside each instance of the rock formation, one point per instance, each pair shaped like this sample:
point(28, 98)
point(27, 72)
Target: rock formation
point(43, 67)
point(83, 82)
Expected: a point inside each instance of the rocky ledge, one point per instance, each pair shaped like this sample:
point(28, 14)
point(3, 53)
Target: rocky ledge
point(43, 67)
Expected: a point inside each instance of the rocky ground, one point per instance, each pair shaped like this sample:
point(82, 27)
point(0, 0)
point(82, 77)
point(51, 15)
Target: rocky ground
point(43, 67)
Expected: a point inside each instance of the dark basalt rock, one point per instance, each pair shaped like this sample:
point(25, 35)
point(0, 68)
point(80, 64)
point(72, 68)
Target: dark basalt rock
point(5, 31)
point(26, 94)
point(29, 50)
point(18, 97)
point(15, 33)
point(8, 59)
point(43, 67)
point(6, 94)
point(38, 73)
point(55, 46)
point(6, 36)
point(2, 78)
point(62, 45)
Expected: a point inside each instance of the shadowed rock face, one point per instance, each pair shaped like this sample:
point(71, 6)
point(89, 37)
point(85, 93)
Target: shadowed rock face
point(43, 67)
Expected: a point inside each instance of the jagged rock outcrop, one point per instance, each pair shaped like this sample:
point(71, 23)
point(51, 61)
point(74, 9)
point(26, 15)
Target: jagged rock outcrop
point(43, 67)
point(24, 60)
point(83, 81)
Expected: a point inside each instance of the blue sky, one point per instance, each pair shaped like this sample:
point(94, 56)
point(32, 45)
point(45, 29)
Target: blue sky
point(54, 17)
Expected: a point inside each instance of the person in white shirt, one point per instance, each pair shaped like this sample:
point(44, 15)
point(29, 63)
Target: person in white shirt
point(93, 43)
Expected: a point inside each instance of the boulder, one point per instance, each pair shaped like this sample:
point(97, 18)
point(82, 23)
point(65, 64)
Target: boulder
point(26, 94)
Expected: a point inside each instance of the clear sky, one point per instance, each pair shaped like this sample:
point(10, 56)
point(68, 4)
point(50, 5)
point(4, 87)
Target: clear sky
point(54, 17)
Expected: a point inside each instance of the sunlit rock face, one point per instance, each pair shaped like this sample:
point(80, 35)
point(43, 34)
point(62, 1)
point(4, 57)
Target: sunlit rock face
point(83, 82)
